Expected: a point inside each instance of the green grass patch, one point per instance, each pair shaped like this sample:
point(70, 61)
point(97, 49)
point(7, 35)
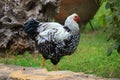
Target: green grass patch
point(90, 57)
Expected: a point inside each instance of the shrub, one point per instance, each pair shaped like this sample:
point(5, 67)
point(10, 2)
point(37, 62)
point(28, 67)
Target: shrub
point(114, 23)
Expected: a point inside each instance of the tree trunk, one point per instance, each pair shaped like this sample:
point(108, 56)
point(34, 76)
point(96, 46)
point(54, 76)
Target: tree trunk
point(13, 14)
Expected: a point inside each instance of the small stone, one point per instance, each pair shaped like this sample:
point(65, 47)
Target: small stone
point(23, 69)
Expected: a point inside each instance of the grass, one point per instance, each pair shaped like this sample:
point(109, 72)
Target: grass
point(90, 57)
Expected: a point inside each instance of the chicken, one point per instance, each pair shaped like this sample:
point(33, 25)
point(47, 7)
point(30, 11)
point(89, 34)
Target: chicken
point(54, 40)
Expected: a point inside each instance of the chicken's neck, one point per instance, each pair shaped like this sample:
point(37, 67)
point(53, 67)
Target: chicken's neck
point(72, 25)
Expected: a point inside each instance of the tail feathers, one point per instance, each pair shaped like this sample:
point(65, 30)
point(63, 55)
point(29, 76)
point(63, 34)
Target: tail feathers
point(31, 25)
point(30, 28)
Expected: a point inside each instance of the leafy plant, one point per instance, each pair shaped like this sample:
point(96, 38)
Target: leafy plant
point(114, 6)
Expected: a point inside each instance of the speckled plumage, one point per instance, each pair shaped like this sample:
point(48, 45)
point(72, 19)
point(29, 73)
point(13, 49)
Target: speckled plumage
point(54, 40)
point(55, 50)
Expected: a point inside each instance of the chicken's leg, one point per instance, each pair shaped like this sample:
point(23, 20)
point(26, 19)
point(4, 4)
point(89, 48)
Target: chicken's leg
point(55, 67)
point(43, 62)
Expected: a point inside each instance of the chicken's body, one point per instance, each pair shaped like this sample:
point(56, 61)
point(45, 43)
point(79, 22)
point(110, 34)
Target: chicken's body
point(54, 40)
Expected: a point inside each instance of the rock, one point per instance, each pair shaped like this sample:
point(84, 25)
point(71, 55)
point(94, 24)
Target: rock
point(13, 14)
point(10, 72)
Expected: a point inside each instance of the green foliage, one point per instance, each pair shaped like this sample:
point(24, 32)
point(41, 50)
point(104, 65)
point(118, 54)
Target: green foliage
point(114, 23)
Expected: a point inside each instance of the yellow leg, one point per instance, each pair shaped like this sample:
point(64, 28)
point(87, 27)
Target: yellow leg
point(55, 67)
point(43, 62)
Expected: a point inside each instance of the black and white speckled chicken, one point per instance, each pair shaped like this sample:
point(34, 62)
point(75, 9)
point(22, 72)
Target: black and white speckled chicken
point(54, 40)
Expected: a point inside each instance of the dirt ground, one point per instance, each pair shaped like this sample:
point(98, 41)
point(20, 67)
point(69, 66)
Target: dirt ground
point(11, 72)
